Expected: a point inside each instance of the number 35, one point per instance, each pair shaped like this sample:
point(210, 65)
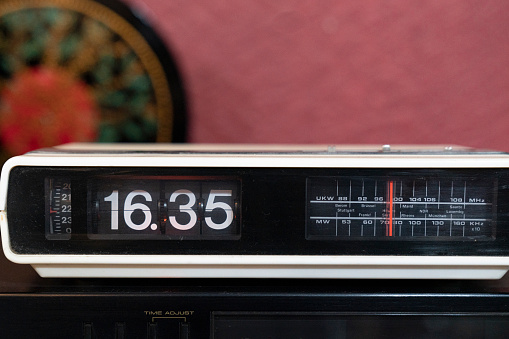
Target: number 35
point(209, 207)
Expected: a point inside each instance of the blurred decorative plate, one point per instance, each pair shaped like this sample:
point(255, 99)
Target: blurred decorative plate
point(84, 70)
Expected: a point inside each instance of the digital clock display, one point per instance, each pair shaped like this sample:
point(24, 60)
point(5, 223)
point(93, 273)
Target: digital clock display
point(163, 208)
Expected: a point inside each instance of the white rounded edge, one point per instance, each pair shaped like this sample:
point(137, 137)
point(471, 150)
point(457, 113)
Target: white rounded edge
point(4, 179)
point(287, 272)
point(261, 272)
point(263, 260)
point(264, 160)
point(6, 243)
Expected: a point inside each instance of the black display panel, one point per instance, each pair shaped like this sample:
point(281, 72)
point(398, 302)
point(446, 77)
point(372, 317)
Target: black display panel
point(357, 326)
point(258, 211)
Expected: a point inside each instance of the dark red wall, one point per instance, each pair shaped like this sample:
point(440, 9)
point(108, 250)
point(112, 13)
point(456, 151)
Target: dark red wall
point(401, 71)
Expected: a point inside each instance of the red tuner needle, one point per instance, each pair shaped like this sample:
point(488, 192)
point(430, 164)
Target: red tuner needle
point(391, 208)
point(52, 211)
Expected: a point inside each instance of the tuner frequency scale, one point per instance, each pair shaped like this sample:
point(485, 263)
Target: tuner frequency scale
point(99, 210)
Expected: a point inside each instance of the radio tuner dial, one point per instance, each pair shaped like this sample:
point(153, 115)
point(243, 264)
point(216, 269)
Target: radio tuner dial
point(405, 208)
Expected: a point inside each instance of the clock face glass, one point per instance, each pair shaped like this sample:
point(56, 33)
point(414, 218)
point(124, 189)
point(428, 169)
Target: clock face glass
point(343, 208)
point(256, 211)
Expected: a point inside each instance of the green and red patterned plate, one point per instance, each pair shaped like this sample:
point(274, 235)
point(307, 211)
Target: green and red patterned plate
point(84, 70)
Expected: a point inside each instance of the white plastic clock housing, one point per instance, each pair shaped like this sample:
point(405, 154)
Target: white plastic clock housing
point(400, 266)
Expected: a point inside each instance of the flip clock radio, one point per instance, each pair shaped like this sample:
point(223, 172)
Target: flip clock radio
point(156, 210)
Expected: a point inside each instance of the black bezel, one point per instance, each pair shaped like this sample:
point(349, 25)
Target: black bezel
point(272, 224)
